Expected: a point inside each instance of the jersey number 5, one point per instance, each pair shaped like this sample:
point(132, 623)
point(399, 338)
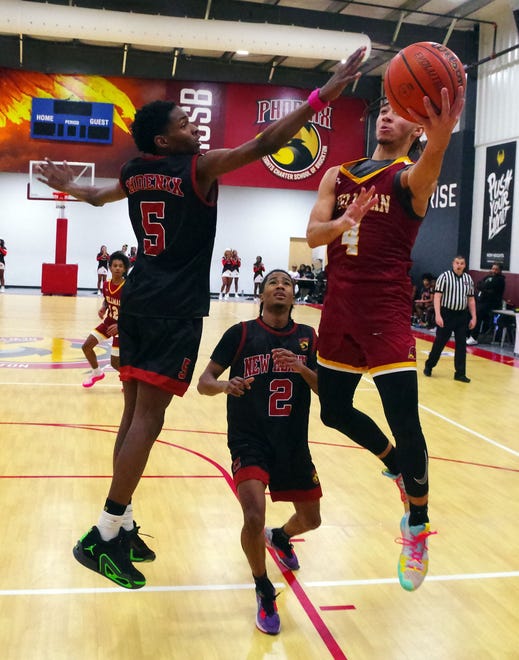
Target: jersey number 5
point(155, 242)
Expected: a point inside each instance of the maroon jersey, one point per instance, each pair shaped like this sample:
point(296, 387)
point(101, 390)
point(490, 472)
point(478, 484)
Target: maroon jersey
point(368, 266)
point(112, 294)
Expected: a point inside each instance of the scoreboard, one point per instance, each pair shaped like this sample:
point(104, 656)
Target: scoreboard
point(72, 121)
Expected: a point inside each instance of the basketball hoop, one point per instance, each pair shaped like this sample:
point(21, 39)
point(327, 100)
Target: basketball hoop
point(61, 198)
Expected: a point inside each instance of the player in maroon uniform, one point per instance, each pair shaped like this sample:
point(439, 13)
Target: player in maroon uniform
point(365, 324)
point(172, 193)
point(118, 264)
point(272, 369)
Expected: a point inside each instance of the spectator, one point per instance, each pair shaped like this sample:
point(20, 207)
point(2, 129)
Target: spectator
point(258, 270)
point(102, 268)
point(236, 263)
point(3, 252)
point(490, 296)
point(227, 269)
point(133, 256)
point(453, 300)
point(424, 301)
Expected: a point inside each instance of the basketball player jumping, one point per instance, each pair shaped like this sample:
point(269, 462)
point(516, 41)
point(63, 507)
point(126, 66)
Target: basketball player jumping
point(172, 199)
point(365, 324)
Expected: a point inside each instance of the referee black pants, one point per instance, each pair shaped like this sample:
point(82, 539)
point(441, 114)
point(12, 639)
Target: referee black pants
point(452, 322)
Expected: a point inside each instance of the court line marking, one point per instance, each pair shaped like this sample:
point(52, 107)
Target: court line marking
point(468, 430)
point(430, 578)
point(232, 587)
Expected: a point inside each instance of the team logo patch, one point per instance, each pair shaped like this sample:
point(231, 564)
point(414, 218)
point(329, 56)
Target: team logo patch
point(315, 478)
point(236, 465)
point(411, 355)
point(304, 343)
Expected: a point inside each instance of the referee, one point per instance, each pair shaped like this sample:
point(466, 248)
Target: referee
point(453, 300)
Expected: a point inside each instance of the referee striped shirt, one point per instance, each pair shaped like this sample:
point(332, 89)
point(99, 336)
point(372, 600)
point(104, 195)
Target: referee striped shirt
point(455, 290)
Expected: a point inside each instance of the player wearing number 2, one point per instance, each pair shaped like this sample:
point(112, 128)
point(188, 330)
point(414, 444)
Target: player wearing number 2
point(365, 324)
point(272, 369)
point(172, 195)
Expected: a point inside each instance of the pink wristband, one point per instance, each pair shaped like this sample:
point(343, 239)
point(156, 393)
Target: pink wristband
point(315, 102)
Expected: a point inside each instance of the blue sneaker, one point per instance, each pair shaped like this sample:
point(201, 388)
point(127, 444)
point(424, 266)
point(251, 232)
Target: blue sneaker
point(285, 555)
point(267, 618)
point(413, 562)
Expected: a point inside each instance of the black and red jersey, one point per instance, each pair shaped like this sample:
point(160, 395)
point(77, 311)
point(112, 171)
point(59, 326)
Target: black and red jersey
point(175, 228)
point(275, 410)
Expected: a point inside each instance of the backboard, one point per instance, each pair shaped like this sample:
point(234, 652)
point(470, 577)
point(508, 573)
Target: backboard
point(84, 174)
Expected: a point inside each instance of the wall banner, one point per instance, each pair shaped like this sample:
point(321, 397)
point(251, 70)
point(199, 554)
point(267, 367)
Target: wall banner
point(498, 205)
point(226, 115)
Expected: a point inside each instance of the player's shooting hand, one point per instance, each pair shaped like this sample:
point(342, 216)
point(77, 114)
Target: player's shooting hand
point(237, 386)
point(438, 127)
point(55, 176)
point(345, 74)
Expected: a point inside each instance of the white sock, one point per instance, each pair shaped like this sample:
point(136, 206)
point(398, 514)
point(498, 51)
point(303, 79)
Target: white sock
point(128, 518)
point(109, 525)
point(96, 371)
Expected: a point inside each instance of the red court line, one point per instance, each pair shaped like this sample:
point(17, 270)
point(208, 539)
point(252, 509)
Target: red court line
point(475, 350)
point(332, 608)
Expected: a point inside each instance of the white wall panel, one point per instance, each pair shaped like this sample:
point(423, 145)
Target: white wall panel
point(497, 121)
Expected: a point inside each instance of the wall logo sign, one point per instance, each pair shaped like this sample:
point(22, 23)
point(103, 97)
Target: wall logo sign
point(498, 205)
point(306, 152)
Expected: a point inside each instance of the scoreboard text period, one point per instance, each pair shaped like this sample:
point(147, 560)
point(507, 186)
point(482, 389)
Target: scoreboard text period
point(72, 121)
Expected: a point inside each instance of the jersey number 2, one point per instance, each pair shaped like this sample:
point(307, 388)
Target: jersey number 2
point(280, 394)
point(155, 242)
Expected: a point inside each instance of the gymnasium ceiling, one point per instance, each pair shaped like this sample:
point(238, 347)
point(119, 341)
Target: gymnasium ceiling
point(390, 25)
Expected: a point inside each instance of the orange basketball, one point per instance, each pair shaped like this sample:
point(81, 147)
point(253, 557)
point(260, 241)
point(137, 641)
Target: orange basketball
point(419, 70)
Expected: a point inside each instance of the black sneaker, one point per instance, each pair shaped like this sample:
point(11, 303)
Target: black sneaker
point(108, 558)
point(139, 551)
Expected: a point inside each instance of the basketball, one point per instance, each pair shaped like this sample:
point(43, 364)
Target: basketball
point(419, 70)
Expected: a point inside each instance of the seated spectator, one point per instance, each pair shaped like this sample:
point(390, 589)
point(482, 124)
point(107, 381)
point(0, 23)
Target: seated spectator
point(423, 303)
point(489, 296)
point(294, 274)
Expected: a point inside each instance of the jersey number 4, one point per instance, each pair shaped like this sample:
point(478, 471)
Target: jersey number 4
point(155, 241)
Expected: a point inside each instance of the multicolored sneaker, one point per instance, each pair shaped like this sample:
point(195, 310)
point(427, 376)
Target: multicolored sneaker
point(110, 559)
point(139, 551)
point(413, 562)
point(285, 554)
point(267, 618)
point(399, 481)
point(92, 378)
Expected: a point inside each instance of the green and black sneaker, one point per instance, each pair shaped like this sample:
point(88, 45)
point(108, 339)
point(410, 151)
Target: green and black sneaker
point(139, 551)
point(109, 558)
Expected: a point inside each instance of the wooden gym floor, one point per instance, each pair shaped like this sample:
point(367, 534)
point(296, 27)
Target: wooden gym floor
point(345, 602)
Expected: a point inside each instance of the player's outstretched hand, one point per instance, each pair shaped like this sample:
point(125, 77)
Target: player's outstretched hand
point(55, 176)
point(343, 76)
